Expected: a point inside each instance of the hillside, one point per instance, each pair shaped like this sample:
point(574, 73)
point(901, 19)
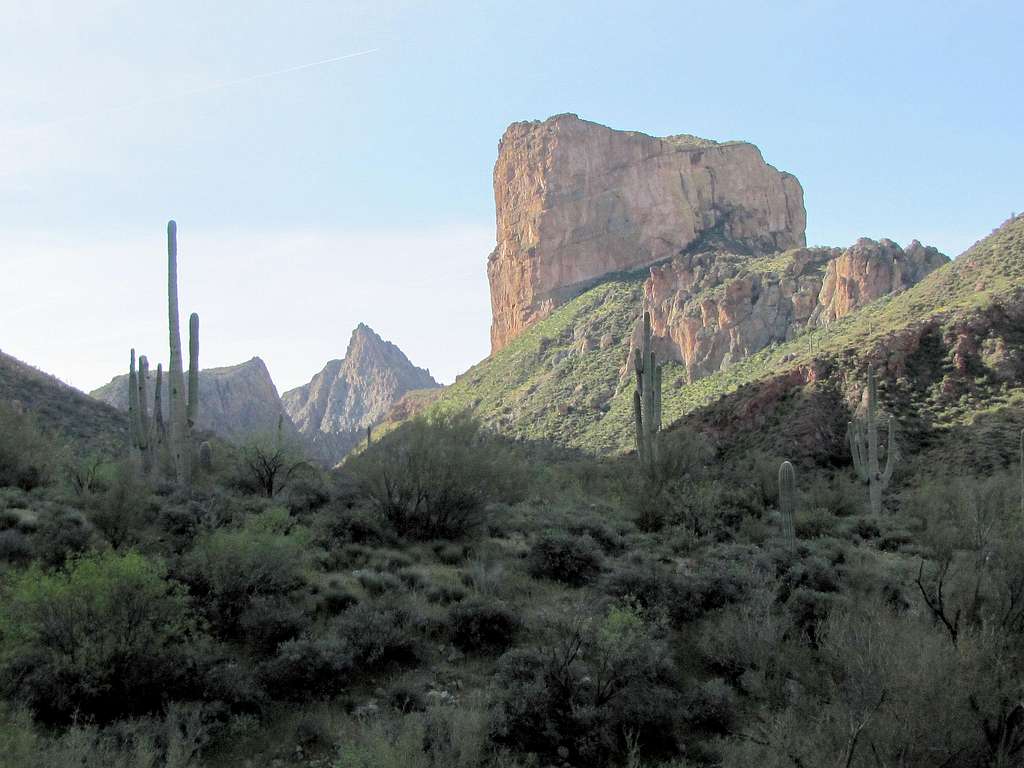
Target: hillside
point(61, 409)
point(944, 339)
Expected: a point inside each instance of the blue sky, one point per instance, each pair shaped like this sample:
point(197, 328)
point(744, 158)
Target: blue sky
point(360, 190)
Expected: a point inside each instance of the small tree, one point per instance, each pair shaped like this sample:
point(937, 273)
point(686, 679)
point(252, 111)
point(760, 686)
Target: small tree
point(267, 463)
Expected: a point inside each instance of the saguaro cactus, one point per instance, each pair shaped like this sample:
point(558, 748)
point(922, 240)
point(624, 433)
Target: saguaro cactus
point(133, 406)
point(181, 455)
point(647, 398)
point(193, 370)
point(206, 456)
point(1022, 473)
point(863, 435)
point(145, 428)
point(787, 501)
point(158, 406)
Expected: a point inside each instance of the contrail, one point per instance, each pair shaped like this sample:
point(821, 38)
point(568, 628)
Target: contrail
point(191, 92)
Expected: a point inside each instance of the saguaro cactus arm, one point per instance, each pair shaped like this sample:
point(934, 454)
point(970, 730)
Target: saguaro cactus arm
point(143, 401)
point(892, 454)
point(133, 404)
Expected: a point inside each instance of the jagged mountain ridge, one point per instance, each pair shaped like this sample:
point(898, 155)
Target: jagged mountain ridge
point(352, 393)
point(236, 401)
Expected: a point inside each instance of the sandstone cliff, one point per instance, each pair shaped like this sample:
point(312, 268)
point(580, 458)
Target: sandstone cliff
point(235, 402)
point(334, 409)
point(712, 309)
point(576, 201)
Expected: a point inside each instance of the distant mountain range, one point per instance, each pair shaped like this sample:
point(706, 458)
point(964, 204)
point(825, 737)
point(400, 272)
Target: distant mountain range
point(330, 413)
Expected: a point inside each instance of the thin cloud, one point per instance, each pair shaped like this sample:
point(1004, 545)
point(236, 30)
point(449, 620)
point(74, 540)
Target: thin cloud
point(186, 94)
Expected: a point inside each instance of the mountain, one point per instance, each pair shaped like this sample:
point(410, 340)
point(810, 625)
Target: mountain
point(751, 337)
point(235, 401)
point(334, 409)
point(61, 409)
point(576, 201)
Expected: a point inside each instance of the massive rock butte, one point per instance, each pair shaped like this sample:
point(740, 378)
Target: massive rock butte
point(576, 201)
point(236, 402)
point(334, 409)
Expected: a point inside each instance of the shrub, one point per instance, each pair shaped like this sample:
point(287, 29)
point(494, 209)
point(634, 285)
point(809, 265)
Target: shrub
point(335, 598)
point(480, 626)
point(433, 478)
point(14, 546)
point(228, 569)
point(712, 707)
point(28, 457)
point(101, 639)
point(569, 559)
point(379, 637)
point(308, 669)
point(60, 535)
point(119, 514)
point(271, 620)
point(590, 683)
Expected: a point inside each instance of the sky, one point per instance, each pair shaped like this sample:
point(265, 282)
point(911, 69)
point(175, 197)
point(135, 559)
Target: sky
point(358, 189)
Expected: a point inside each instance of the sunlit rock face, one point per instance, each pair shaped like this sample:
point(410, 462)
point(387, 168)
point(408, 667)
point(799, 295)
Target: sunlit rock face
point(576, 201)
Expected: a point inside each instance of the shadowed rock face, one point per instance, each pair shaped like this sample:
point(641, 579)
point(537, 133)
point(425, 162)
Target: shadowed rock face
point(576, 201)
point(236, 402)
point(334, 409)
point(712, 309)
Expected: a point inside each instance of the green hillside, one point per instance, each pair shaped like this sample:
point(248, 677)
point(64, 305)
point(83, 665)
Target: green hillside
point(543, 386)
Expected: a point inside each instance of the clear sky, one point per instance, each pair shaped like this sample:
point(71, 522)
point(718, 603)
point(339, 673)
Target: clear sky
point(360, 189)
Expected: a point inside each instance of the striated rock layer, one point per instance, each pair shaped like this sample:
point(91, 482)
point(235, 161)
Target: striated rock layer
point(711, 309)
point(334, 409)
point(576, 201)
point(236, 401)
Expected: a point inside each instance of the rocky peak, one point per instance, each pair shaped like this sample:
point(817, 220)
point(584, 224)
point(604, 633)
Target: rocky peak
point(576, 201)
point(353, 393)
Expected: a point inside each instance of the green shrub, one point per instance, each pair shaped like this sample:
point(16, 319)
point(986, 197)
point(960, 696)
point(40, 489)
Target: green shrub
point(712, 707)
point(102, 639)
point(432, 479)
point(28, 457)
point(573, 560)
point(589, 684)
point(380, 637)
point(308, 669)
point(15, 547)
point(228, 569)
point(119, 514)
point(482, 626)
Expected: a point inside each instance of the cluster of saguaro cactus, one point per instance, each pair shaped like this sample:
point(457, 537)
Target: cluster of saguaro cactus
point(647, 398)
point(177, 436)
point(863, 436)
point(787, 501)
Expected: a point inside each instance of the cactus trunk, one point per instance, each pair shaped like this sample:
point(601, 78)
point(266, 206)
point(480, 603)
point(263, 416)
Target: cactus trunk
point(145, 428)
point(158, 406)
point(787, 501)
point(863, 436)
point(193, 371)
point(133, 406)
point(180, 455)
point(647, 398)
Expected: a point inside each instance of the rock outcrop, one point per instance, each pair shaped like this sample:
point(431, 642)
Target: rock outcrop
point(712, 309)
point(576, 201)
point(334, 409)
point(236, 402)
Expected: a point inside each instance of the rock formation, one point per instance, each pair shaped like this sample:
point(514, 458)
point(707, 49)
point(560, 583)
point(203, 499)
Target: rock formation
point(712, 309)
point(576, 201)
point(238, 401)
point(349, 395)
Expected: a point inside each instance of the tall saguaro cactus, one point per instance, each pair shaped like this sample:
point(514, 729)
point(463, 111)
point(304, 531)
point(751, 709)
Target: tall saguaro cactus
point(193, 370)
point(181, 454)
point(133, 406)
point(647, 398)
point(787, 501)
point(145, 430)
point(863, 435)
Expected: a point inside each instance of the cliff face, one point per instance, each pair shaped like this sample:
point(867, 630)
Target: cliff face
point(712, 309)
point(576, 201)
point(235, 402)
point(334, 409)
